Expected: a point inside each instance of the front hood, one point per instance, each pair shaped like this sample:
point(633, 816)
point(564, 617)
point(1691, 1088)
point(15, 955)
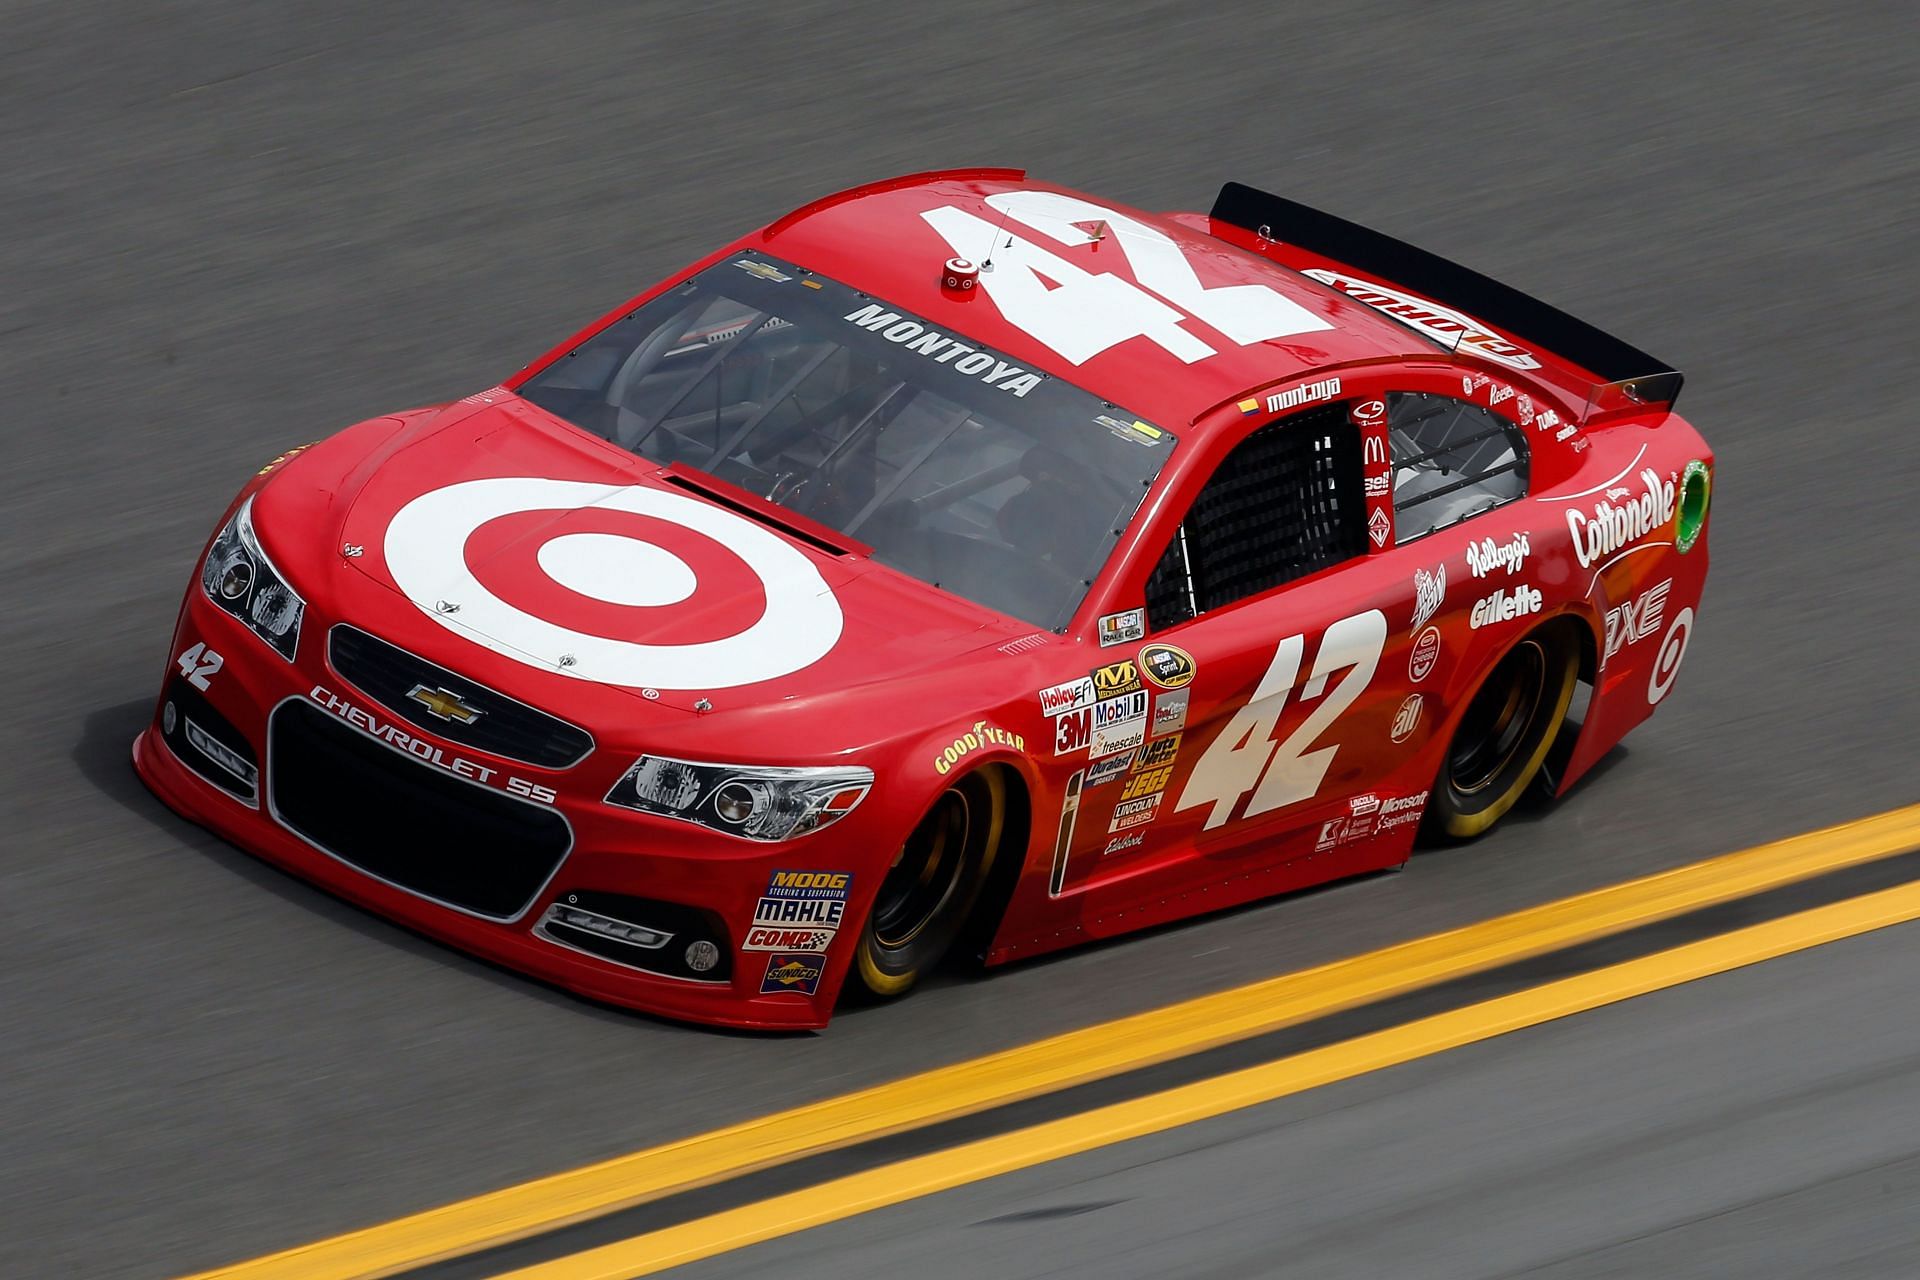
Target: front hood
point(529, 540)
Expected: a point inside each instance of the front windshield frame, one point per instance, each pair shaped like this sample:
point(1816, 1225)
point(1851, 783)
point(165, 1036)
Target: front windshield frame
point(1003, 485)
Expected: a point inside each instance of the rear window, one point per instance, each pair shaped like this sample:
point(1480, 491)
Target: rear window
point(959, 466)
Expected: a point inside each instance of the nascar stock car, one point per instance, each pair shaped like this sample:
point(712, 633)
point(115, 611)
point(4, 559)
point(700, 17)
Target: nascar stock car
point(958, 563)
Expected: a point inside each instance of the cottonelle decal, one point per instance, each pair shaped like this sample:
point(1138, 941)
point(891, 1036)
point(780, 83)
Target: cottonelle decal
point(426, 552)
point(1614, 524)
point(1451, 329)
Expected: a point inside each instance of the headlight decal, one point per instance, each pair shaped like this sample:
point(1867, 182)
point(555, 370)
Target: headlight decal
point(753, 802)
point(239, 579)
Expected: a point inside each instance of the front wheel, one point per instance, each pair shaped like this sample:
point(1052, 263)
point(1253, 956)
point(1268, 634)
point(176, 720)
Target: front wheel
point(932, 885)
point(1505, 734)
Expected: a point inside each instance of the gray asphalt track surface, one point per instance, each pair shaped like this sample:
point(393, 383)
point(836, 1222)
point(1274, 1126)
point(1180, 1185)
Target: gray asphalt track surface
point(227, 228)
point(1737, 1127)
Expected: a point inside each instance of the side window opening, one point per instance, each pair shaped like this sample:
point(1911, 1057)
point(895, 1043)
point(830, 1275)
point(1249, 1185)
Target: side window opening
point(1286, 502)
point(1451, 461)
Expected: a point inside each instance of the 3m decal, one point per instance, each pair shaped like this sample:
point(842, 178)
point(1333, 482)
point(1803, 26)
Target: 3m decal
point(1244, 758)
point(1609, 527)
point(1123, 628)
point(199, 665)
point(426, 552)
point(1451, 329)
point(1073, 731)
point(787, 971)
point(1166, 666)
point(1637, 619)
point(1078, 312)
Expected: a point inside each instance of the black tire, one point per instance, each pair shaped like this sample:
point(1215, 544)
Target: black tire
point(1505, 734)
point(935, 879)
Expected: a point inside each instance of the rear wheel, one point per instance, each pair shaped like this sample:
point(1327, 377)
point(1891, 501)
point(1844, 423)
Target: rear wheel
point(932, 885)
point(1505, 733)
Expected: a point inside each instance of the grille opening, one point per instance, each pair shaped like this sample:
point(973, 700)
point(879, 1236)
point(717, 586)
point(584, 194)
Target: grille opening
point(407, 822)
point(207, 743)
point(500, 726)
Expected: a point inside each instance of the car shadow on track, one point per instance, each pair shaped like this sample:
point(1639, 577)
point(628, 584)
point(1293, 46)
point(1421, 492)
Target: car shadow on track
point(103, 757)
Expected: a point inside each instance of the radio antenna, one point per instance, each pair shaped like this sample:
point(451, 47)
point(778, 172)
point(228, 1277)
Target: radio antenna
point(987, 264)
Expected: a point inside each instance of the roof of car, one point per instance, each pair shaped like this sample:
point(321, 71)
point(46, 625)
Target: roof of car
point(879, 240)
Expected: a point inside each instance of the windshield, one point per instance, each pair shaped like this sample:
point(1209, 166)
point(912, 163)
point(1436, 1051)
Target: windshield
point(1001, 484)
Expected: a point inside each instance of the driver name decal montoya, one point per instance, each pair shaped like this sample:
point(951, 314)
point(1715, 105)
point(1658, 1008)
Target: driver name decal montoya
point(426, 552)
point(918, 338)
point(1079, 312)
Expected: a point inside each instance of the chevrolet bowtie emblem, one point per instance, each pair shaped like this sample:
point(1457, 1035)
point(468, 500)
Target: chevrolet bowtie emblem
point(444, 704)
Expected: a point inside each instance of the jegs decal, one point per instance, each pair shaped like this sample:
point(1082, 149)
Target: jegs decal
point(1244, 758)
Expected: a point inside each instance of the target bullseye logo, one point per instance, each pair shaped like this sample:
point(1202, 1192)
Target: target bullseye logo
point(426, 551)
point(1666, 663)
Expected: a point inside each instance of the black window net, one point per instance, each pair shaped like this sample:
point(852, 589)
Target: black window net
point(1286, 502)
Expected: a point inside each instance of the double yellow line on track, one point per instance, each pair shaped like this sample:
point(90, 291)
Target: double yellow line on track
point(1123, 1045)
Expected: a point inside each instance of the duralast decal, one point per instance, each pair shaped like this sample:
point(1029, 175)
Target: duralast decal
point(981, 735)
point(1167, 666)
point(1108, 769)
point(1613, 525)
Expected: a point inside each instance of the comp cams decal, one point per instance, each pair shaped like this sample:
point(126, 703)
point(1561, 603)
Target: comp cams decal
point(800, 911)
point(426, 552)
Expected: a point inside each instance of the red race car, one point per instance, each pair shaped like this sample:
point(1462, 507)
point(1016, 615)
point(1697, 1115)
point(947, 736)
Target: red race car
point(957, 563)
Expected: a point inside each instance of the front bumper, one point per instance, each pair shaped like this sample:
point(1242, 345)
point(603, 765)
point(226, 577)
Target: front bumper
point(707, 885)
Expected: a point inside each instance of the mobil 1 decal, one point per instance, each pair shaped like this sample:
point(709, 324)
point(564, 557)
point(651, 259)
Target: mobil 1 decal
point(1369, 419)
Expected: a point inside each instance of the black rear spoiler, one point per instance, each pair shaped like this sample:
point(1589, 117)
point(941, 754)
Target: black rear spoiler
point(1631, 375)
